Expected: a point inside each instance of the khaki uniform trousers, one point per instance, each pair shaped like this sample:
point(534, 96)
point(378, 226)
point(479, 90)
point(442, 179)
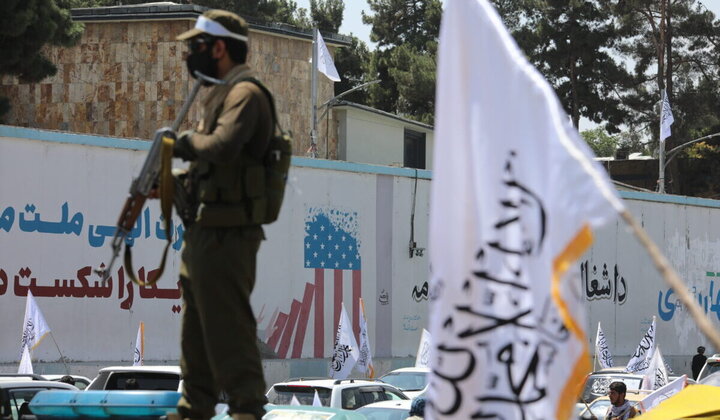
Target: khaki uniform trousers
point(218, 339)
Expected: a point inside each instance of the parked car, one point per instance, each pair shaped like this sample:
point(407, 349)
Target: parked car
point(305, 412)
point(146, 378)
point(598, 408)
point(412, 381)
point(712, 365)
point(386, 410)
point(15, 395)
point(348, 394)
point(597, 383)
point(81, 382)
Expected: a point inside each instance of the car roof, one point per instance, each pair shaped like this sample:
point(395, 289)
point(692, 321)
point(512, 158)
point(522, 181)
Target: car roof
point(156, 369)
point(36, 384)
point(390, 404)
point(332, 383)
point(55, 377)
point(410, 369)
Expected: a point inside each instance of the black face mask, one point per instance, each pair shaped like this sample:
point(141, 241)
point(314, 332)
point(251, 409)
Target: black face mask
point(203, 62)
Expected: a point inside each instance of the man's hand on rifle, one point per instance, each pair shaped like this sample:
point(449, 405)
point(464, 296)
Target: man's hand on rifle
point(183, 148)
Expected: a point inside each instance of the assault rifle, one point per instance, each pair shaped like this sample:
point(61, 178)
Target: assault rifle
point(141, 187)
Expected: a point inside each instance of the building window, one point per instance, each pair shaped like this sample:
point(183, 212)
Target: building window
point(414, 153)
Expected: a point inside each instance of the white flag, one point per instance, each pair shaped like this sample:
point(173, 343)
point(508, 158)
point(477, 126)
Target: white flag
point(294, 401)
point(34, 326)
point(365, 363)
point(640, 360)
point(422, 359)
point(25, 362)
point(346, 353)
point(325, 63)
point(506, 318)
point(662, 394)
point(602, 352)
point(316, 400)
point(655, 376)
point(139, 353)
point(666, 118)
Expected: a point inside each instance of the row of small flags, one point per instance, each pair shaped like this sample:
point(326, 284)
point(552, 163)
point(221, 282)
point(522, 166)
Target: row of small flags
point(647, 360)
point(35, 328)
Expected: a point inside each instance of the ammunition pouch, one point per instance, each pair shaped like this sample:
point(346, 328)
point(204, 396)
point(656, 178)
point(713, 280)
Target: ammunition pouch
point(186, 205)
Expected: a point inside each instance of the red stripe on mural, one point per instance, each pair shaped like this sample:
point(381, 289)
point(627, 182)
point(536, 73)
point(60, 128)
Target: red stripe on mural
point(288, 330)
point(277, 330)
point(338, 298)
point(302, 321)
point(356, 288)
point(319, 323)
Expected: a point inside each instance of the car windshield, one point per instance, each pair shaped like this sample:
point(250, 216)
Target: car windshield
point(146, 381)
point(598, 385)
point(384, 413)
point(305, 394)
point(710, 368)
point(406, 381)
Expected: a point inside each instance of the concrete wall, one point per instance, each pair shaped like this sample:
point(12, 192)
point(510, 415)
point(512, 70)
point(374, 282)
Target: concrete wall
point(61, 193)
point(376, 137)
point(629, 289)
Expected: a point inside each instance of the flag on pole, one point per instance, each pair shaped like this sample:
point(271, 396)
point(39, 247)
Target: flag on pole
point(316, 400)
point(662, 394)
point(506, 317)
point(346, 353)
point(139, 353)
point(25, 362)
point(602, 352)
point(34, 326)
point(666, 118)
point(422, 359)
point(640, 360)
point(364, 363)
point(655, 376)
point(325, 64)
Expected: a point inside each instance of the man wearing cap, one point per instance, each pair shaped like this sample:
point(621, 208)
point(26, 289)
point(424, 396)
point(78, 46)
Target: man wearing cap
point(219, 350)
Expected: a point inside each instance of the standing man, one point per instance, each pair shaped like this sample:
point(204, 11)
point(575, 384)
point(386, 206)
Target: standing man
point(620, 408)
point(219, 349)
point(698, 362)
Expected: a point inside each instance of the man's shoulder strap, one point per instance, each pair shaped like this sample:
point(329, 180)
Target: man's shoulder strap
point(267, 94)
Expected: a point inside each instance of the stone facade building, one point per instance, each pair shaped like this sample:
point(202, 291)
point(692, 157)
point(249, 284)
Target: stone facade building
point(127, 76)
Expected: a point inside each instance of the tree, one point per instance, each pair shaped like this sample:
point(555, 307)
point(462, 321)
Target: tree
point(25, 27)
point(351, 63)
point(327, 15)
point(601, 143)
point(406, 32)
point(572, 44)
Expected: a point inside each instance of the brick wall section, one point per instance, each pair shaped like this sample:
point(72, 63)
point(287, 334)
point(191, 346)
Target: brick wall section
point(127, 79)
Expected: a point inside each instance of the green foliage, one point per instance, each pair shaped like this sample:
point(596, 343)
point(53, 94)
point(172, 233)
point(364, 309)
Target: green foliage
point(601, 143)
point(351, 63)
point(327, 15)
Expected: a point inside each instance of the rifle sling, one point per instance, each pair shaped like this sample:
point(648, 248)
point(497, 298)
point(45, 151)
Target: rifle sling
point(167, 191)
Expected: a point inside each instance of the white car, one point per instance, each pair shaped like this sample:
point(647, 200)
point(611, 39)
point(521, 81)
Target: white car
point(81, 382)
point(15, 395)
point(386, 410)
point(348, 394)
point(412, 381)
point(146, 378)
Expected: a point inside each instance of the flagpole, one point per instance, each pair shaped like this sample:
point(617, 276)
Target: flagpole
point(661, 152)
point(67, 370)
point(313, 93)
point(673, 280)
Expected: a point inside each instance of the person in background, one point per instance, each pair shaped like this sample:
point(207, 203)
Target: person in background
point(698, 361)
point(620, 408)
point(68, 380)
point(131, 384)
point(417, 409)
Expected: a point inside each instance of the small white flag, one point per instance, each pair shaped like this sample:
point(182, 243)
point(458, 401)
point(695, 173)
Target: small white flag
point(325, 63)
point(422, 359)
point(666, 118)
point(294, 401)
point(34, 326)
point(316, 400)
point(139, 353)
point(662, 394)
point(365, 363)
point(640, 360)
point(346, 353)
point(602, 352)
point(655, 376)
point(25, 362)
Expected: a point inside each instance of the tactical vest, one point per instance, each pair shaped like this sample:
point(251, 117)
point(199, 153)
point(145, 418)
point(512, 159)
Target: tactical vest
point(247, 191)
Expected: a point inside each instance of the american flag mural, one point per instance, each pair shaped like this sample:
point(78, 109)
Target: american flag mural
point(331, 249)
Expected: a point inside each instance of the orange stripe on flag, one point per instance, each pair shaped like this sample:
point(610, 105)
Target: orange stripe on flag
point(572, 252)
